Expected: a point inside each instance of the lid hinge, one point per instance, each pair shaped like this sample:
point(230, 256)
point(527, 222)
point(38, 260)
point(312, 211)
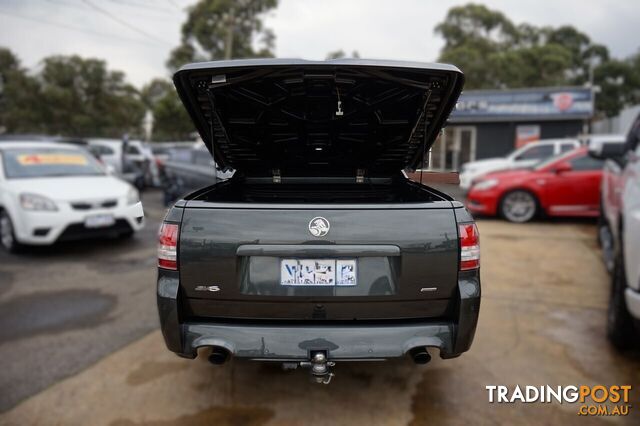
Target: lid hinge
point(360, 176)
point(276, 175)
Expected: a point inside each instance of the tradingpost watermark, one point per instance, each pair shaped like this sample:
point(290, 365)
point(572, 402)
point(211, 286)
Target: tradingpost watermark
point(598, 400)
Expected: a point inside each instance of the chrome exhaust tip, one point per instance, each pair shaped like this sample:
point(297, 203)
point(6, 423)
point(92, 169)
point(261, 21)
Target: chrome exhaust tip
point(218, 355)
point(420, 355)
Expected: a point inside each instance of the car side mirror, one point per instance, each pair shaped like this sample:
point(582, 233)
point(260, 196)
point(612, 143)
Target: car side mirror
point(608, 150)
point(563, 167)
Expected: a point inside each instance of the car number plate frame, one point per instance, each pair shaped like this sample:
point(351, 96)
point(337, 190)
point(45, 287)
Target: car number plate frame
point(318, 272)
point(99, 221)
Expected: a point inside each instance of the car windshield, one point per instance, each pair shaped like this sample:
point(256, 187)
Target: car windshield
point(48, 162)
point(551, 160)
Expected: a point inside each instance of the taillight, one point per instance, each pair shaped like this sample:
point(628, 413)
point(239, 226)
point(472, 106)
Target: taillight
point(168, 246)
point(469, 246)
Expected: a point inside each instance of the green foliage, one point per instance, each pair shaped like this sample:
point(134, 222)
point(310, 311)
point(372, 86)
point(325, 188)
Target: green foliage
point(70, 96)
point(339, 54)
point(619, 83)
point(495, 53)
point(465, 24)
point(18, 110)
point(171, 121)
point(224, 29)
point(83, 98)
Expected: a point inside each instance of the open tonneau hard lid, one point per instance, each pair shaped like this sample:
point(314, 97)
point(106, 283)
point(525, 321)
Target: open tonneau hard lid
point(344, 117)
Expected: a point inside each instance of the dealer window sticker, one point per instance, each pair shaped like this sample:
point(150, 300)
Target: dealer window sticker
point(48, 159)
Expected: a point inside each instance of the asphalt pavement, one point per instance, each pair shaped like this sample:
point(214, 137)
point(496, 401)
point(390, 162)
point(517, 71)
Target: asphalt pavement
point(62, 308)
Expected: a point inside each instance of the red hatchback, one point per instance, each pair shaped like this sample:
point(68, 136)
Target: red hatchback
point(567, 185)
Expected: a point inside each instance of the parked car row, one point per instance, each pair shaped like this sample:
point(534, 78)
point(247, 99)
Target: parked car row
point(53, 191)
point(185, 169)
point(567, 184)
point(600, 179)
point(131, 160)
point(57, 189)
point(526, 156)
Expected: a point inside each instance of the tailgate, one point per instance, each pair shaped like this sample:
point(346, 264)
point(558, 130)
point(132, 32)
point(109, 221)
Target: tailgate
point(406, 262)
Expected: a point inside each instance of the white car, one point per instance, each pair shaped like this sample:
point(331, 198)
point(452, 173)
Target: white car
point(526, 156)
point(52, 192)
point(136, 152)
point(596, 142)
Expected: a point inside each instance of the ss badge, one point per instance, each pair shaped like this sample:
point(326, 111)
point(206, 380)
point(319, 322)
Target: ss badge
point(212, 288)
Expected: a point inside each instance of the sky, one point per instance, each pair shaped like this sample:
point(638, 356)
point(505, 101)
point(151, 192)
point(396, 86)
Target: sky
point(136, 36)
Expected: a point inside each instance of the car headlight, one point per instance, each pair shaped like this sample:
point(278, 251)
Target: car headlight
point(37, 203)
point(133, 196)
point(483, 185)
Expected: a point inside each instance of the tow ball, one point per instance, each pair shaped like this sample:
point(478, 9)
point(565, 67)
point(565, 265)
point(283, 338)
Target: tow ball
point(320, 367)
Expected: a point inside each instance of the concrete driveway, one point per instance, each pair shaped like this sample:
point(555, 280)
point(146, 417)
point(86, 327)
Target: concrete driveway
point(542, 322)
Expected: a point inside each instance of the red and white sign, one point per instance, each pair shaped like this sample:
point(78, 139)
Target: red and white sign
point(527, 134)
point(562, 101)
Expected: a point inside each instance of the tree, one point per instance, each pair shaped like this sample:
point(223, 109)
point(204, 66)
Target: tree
point(19, 106)
point(171, 121)
point(619, 85)
point(464, 25)
point(224, 29)
point(82, 97)
point(339, 54)
point(495, 53)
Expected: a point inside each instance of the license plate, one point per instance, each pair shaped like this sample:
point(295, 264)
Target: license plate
point(99, 221)
point(318, 272)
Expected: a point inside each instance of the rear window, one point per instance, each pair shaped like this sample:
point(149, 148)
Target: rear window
point(48, 162)
point(538, 152)
point(566, 147)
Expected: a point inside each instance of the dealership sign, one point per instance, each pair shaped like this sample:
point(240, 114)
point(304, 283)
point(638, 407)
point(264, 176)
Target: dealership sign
point(524, 104)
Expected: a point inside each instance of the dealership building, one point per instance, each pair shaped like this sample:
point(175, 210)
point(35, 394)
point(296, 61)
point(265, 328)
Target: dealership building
point(492, 123)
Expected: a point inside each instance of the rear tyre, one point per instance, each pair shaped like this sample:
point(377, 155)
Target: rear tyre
point(7, 234)
point(620, 326)
point(518, 206)
point(605, 237)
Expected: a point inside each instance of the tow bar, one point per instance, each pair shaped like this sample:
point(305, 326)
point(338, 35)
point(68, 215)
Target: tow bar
point(320, 367)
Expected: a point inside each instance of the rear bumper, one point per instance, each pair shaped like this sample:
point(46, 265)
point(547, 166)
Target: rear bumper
point(293, 341)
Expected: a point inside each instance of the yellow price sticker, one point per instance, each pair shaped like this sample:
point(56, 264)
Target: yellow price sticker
point(49, 159)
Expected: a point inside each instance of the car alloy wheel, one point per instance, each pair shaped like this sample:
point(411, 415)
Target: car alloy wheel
point(519, 206)
point(606, 242)
point(6, 232)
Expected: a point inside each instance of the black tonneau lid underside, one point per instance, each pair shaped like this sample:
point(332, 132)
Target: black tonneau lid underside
point(318, 118)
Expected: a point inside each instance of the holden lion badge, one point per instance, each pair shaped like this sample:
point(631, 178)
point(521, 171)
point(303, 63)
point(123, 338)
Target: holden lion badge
point(319, 226)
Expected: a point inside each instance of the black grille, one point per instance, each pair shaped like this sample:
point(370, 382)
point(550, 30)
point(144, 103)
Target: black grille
point(107, 204)
point(81, 206)
point(78, 231)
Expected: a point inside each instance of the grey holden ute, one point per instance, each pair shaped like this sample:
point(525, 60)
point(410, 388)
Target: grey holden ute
point(319, 249)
